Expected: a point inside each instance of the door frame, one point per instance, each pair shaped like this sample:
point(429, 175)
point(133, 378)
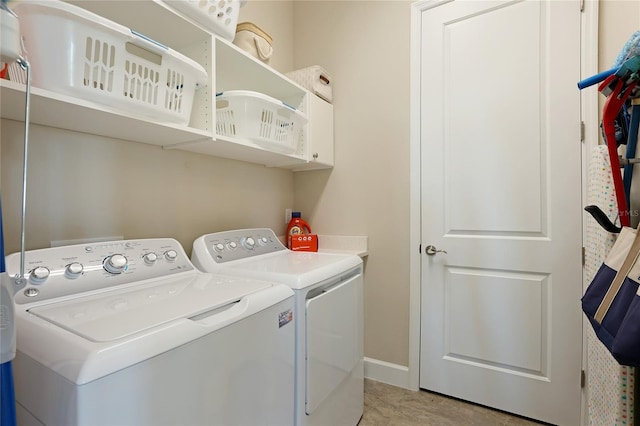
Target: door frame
point(590, 118)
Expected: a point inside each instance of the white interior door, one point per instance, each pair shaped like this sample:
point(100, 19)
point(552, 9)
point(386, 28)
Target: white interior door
point(501, 323)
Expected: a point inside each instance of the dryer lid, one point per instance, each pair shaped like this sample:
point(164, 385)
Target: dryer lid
point(117, 314)
point(296, 269)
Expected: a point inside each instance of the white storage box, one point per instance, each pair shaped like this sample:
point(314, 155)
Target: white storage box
point(78, 53)
point(219, 16)
point(259, 118)
point(315, 79)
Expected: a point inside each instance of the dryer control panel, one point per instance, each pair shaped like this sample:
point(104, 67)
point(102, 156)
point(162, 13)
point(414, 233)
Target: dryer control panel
point(68, 270)
point(226, 246)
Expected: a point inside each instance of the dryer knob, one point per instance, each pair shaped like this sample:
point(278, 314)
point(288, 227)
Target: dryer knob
point(115, 264)
point(171, 255)
point(263, 241)
point(73, 270)
point(39, 275)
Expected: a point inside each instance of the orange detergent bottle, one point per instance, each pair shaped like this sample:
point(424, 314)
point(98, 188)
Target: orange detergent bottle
point(297, 226)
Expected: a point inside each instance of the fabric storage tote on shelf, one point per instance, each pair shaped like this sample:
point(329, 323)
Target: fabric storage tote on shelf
point(219, 16)
point(315, 79)
point(253, 40)
point(78, 53)
point(259, 118)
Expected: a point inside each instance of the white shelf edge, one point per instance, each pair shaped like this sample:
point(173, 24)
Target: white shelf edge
point(239, 149)
point(69, 113)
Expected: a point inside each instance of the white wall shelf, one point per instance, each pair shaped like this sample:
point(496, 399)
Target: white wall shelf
point(66, 112)
point(228, 67)
point(242, 150)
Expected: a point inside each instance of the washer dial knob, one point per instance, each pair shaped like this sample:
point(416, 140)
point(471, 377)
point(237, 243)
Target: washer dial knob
point(232, 245)
point(115, 264)
point(263, 241)
point(249, 243)
point(73, 270)
point(170, 255)
point(218, 247)
point(39, 275)
point(150, 258)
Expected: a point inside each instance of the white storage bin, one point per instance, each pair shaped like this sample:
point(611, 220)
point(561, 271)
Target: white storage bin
point(219, 16)
point(315, 79)
point(259, 118)
point(78, 53)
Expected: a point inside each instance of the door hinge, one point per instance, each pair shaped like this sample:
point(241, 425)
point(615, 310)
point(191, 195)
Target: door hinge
point(581, 5)
point(582, 131)
point(583, 379)
point(420, 249)
point(584, 256)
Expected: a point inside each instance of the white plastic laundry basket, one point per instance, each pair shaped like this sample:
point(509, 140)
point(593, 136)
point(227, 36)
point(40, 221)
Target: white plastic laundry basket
point(79, 53)
point(219, 16)
point(259, 118)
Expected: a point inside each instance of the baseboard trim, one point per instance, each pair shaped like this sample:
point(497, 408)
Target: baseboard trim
point(386, 372)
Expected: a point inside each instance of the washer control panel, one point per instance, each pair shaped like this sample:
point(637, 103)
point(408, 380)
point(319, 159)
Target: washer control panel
point(242, 243)
point(66, 270)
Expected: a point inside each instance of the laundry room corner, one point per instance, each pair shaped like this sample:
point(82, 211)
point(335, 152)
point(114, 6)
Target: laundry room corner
point(367, 191)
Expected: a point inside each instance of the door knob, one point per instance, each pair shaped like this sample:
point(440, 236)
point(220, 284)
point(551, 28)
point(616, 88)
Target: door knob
point(431, 250)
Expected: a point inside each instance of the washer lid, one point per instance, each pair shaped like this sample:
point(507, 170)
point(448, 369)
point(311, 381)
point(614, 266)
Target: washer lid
point(296, 269)
point(120, 313)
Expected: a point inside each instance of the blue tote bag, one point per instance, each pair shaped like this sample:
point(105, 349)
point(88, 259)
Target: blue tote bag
point(611, 301)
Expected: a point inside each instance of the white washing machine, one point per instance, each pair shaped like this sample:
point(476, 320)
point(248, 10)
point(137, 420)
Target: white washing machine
point(328, 316)
point(130, 333)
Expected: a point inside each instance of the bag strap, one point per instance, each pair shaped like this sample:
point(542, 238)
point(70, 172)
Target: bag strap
point(614, 288)
point(263, 48)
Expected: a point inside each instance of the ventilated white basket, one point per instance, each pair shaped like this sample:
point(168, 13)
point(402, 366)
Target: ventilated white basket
point(78, 53)
point(260, 118)
point(219, 16)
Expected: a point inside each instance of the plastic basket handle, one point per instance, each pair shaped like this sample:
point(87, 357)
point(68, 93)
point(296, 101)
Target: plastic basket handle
point(295, 111)
point(148, 43)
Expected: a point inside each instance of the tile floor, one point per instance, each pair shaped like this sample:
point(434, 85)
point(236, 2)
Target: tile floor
point(386, 405)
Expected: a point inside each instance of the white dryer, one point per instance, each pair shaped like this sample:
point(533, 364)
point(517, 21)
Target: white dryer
point(130, 333)
point(328, 316)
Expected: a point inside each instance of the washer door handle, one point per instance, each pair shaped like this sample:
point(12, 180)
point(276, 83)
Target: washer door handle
point(432, 250)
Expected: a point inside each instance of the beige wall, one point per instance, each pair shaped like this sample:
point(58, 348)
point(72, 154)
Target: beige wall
point(364, 45)
point(619, 19)
point(83, 186)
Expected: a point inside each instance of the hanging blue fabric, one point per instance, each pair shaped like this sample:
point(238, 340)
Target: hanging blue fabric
point(7, 393)
point(631, 149)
